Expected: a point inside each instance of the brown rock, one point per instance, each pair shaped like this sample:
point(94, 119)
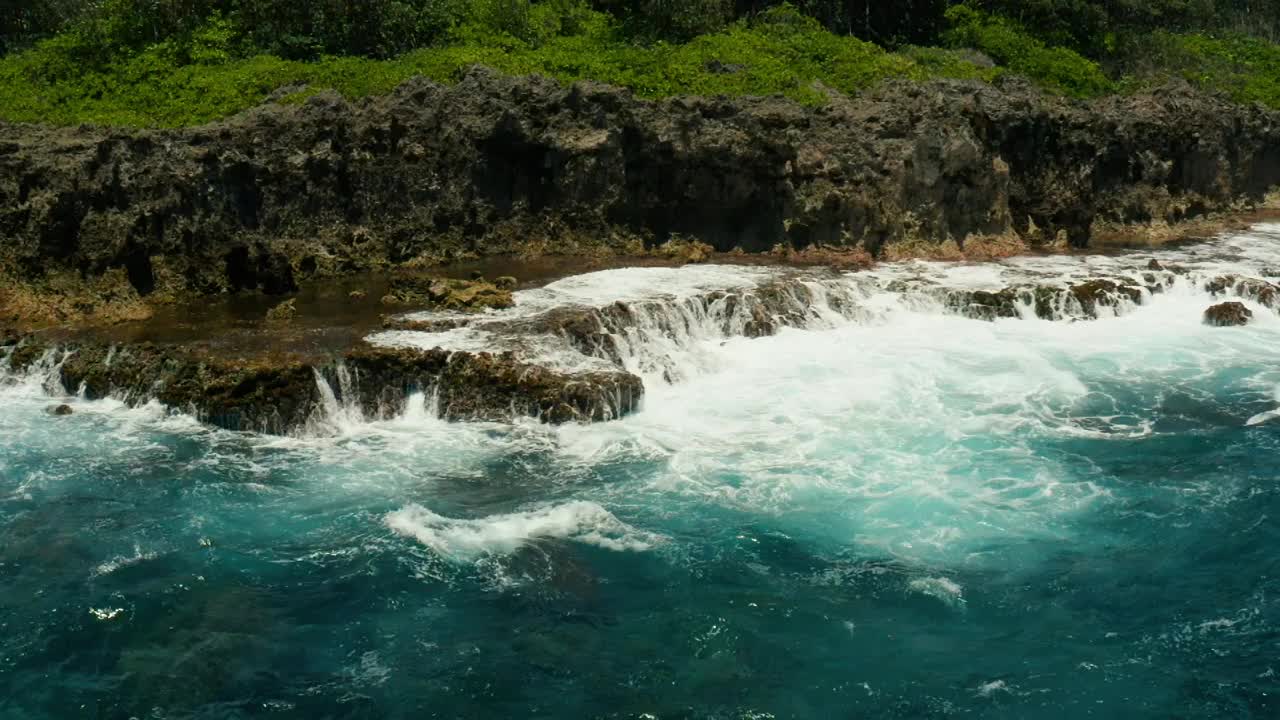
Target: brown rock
point(448, 294)
point(1228, 314)
point(278, 393)
point(284, 312)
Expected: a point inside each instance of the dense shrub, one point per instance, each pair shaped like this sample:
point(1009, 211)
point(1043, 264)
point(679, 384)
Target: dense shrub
point(1014, 48)
point(299, 29)
point(1246, 68)
point(381, 28)
point(670, 20)
point(171, 84)
point(121, 69)
point(24, 21)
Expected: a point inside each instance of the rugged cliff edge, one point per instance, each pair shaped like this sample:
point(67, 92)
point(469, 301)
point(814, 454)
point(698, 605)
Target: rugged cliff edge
point(98, 223)
point(561, 360)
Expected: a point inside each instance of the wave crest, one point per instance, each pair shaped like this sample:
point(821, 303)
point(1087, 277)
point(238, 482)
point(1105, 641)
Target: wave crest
point(582, 521)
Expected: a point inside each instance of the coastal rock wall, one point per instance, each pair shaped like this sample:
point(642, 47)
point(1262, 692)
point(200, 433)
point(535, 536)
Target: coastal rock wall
point(282, 395)
point(499, 165)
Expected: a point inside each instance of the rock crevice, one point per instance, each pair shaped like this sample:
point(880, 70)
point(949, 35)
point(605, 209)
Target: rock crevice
point(496, 165)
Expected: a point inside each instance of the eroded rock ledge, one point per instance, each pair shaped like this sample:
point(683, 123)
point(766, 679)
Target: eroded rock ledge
point(570, 363)
point(103, 223)
point(283, 394)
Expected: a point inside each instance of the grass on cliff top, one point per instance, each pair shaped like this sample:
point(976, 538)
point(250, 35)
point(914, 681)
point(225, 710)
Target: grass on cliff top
point(207, 76)
point(781, 52)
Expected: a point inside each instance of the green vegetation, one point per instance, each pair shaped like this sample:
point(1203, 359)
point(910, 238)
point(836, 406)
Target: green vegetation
point(1246, 68)
point(1057, 68)
point(203, 76)
point(172, 63)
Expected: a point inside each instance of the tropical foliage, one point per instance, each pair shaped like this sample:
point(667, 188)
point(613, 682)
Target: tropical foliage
point(181, 62)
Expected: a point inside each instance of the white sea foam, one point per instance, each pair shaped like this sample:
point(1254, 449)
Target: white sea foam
point(905, 429)
point(105, 614)
point(991, 688)
point(941, 588)
point(602, 288)
point(673, 326)
point(123, 561)
point(584, 522)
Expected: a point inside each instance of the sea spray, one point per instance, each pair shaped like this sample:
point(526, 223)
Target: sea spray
point(900, 509)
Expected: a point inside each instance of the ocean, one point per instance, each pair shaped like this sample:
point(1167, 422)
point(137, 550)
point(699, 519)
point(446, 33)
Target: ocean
point(895, 511)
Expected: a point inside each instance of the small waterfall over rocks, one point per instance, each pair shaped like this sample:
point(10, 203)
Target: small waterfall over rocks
point(583, 349)
point(657, 337)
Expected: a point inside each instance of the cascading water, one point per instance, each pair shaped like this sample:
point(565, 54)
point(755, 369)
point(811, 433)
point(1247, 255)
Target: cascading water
point(1036, 488)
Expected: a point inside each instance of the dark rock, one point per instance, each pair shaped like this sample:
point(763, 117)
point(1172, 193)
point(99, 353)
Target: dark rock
point(1228, 314)
point(1249, 288)
point(60, 410)
point(1103, 293)
point(279, 394)
point(985, 305)
point(506, 282)
point(357, 295)
point(498, 165)
point(1155, 265)
point(429, 325)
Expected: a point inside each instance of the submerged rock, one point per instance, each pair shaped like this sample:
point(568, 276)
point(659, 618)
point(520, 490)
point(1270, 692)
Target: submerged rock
point(1228, 314)
point(60, 410)
point(284, 312)
point(685, 250)
point(448, 294)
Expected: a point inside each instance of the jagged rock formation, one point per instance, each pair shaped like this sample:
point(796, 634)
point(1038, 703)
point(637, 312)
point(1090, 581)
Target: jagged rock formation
point(1228, 314)
point(283, 394)
point(564, 362)
point(641, 335)
point(98, 218)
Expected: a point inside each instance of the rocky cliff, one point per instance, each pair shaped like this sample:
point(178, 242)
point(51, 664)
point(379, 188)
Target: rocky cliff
point(100, 221)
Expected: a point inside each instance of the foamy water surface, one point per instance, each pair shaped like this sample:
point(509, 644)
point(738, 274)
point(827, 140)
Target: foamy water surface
point(893, 512)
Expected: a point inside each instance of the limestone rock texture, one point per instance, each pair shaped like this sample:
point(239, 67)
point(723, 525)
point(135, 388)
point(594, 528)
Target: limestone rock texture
point(99, 222)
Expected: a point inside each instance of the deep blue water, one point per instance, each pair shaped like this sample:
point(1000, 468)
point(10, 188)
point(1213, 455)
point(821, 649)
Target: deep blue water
point(919, 517)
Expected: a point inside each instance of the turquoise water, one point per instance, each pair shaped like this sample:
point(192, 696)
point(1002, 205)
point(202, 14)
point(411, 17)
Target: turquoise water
point(915, 515)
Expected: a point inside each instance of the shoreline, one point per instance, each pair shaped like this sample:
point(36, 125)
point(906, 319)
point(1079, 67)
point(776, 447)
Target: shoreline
point(137, 321)
point(103, 224)
point(233, 366)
